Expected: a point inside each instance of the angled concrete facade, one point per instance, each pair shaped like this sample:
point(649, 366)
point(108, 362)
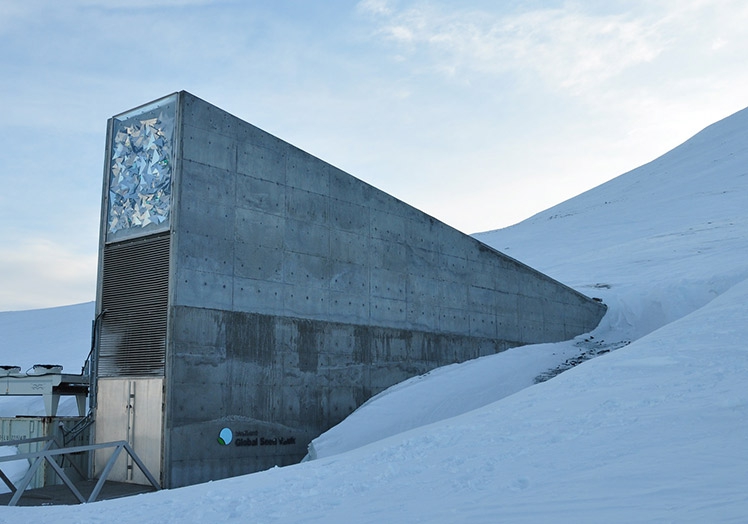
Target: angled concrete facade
point(289, 292)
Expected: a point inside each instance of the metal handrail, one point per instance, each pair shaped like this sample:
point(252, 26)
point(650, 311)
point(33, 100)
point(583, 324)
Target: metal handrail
point(49, 440)
point(22, 441)
point(47, 454)
point(10, 458)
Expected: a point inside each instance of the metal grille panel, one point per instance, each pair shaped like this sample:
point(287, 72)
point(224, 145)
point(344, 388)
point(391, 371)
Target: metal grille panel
point(135, 282)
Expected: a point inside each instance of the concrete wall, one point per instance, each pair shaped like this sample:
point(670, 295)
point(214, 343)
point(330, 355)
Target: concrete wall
point(298, 291)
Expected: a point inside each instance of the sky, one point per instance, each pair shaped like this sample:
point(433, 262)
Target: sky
point(479, 113)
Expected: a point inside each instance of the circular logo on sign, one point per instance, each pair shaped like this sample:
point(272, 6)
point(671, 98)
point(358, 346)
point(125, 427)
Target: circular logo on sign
point(225, 437)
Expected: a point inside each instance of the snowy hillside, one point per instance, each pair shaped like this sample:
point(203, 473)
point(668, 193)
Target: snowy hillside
point(652, 432)
point(657, 242)
point(60, 335)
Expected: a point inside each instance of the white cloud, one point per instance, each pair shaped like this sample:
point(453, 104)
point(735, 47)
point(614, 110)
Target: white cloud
point(400, 32)
point(377, 7)
point(719, 43)
point(572, 48)
point(567, 48)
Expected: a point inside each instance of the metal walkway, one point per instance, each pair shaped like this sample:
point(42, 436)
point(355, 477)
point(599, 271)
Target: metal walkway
point(50, 455)
point(61, 495)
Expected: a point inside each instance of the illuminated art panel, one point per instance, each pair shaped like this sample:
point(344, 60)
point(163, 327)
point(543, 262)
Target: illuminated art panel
point(140, 170)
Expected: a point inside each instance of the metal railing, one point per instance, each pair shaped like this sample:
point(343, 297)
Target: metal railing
point(47, 453)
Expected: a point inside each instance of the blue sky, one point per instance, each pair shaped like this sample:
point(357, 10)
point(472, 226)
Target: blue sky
point(480, 113)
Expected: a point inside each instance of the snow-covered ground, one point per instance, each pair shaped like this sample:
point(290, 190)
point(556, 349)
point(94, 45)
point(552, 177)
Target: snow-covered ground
point(656, 431)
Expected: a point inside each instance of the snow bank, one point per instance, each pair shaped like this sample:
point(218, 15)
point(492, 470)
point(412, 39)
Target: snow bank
point(442, 393)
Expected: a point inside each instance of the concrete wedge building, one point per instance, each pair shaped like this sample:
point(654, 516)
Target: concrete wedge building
point(250, 296)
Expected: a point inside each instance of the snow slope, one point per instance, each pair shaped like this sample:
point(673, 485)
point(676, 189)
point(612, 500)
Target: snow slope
point(59, 335)
point(652, 432)
point(666, 237)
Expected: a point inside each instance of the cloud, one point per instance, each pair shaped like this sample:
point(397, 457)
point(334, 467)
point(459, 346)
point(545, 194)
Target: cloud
point(719, 43)
point(377, 7)
point(566, 48)
point(572, 48)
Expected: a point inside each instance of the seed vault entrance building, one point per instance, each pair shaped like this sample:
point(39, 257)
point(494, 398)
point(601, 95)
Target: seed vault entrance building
point(250, 296)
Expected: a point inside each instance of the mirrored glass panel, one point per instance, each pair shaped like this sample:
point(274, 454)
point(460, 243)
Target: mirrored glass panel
point(140, 170)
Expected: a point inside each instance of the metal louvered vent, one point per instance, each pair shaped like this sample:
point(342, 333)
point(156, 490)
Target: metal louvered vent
point(135, 296)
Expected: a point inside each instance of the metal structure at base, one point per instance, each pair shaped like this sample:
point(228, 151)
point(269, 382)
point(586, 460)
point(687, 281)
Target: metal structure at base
point(50, 386)
point(48, 454)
